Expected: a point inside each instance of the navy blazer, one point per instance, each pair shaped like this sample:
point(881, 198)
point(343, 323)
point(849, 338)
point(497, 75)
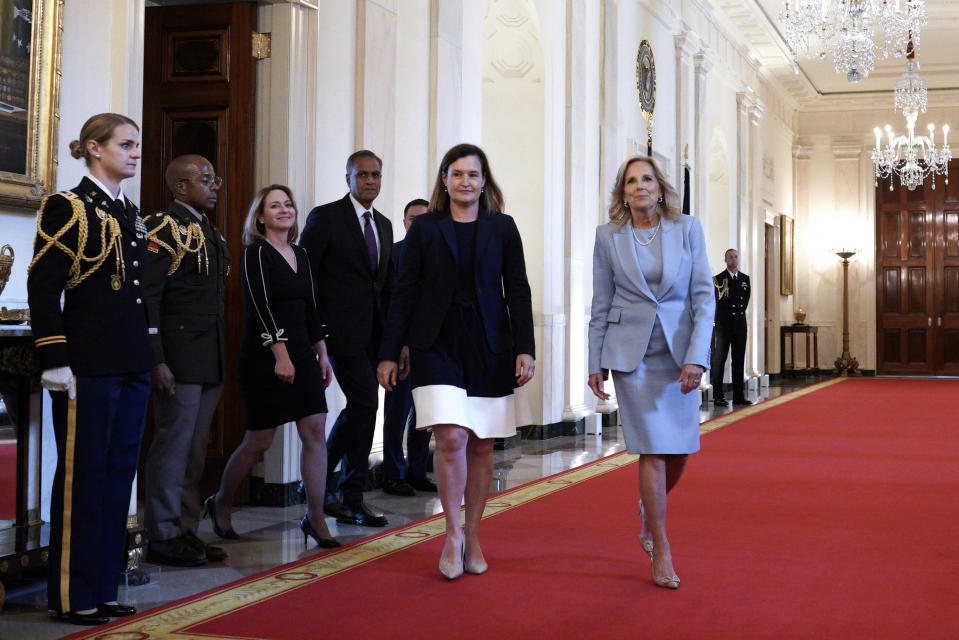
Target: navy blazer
point(428, 278)
point(350, 297)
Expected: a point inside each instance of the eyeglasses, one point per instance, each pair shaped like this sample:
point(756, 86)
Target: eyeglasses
point(207, 181)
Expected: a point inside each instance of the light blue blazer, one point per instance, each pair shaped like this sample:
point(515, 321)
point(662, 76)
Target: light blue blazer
point(625, 308)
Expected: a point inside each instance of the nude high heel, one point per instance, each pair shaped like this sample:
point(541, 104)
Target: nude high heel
point(453, 570)
point(477, 567)
point(667, 582)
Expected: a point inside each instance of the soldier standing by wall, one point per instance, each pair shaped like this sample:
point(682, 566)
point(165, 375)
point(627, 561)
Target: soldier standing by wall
point(729, 329)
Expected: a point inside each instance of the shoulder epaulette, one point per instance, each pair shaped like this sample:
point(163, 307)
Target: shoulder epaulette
point(184, 239)
point(109, 234)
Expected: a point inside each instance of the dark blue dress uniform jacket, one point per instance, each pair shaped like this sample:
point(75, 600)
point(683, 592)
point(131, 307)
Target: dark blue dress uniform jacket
point(732, 298)
point(111, 340)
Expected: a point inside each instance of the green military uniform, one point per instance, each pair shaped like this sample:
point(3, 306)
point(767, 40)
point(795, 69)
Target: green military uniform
point(187, 265)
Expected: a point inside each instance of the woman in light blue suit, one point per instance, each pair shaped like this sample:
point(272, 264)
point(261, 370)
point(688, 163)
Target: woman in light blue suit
point(651, 324)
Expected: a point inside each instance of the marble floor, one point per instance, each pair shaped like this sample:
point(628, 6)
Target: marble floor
point(270, 536)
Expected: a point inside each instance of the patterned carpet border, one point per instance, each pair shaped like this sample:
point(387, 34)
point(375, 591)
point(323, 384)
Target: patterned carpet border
point(174, 621)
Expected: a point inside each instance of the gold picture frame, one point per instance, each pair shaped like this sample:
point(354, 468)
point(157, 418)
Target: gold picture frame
point(31, 33)
point(786, 271)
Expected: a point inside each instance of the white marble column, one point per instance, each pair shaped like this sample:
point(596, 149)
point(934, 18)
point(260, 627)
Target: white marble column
point(446, 77)
point(752, 243)
point(683, 42)
point(374, 104)
point(700, 161)
point(581, 155)
point(285, 153)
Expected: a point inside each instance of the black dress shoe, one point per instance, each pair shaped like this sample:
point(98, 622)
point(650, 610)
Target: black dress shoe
point(422, 483)
point(175, 552)
point(115, 610)
point(339, 511)
point(742, 402)
point(365, 516)
point(720, 400)
point(213, 554)
point(85, 619)
point(398, 488)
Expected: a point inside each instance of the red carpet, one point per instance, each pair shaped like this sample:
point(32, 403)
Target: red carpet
point(831, 514)
point(8, 480)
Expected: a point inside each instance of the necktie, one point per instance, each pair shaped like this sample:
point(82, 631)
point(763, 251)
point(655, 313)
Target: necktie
point(370, 239)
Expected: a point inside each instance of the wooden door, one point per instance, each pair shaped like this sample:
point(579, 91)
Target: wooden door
point(947, 293)
point(917, 278)
point(199, 80)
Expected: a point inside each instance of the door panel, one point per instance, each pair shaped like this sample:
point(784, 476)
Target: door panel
point(917, 279)
point(199, 77)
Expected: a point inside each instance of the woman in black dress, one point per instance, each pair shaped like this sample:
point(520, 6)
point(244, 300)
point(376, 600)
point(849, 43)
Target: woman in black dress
point(463, 306)
point(284, 368)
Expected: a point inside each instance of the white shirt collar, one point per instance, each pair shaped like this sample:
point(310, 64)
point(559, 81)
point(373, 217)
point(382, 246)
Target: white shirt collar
point(360, 209)
point(119, 196)
point(734, 275)
point(199, 216)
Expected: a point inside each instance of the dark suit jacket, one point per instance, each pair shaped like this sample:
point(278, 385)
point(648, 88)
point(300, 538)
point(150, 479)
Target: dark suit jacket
point(398, 256)
point(428, 279)
point(349, 296)
point(190, 302)
point(102, 328)
point(732, 298)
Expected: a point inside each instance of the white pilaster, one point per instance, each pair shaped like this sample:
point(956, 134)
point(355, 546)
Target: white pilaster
point(683, 42)
point(700, 160)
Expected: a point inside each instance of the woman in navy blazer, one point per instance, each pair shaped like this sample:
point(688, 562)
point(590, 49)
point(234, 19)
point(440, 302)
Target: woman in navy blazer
point(462, 304)
point(651, 323)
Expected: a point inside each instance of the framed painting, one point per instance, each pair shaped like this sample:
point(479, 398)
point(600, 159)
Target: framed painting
point(786, 274)
point(30, 36)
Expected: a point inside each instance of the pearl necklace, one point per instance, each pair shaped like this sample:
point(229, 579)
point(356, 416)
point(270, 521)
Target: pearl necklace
point(651, 238)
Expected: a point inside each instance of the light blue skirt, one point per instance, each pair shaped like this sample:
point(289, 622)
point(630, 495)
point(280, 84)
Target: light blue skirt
point(655, 415)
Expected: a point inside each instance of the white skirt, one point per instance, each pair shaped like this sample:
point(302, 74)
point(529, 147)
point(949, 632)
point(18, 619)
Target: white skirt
point(448, 404)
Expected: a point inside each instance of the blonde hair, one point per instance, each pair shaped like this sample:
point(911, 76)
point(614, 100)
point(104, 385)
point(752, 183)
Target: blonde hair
point(492, 196)
point(98, 128)
point(619, 212)
point(253, 229)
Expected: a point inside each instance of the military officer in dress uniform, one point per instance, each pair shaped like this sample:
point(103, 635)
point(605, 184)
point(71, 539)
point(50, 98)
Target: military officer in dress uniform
point(187, 264)
point(729, 328)
point(95, 355)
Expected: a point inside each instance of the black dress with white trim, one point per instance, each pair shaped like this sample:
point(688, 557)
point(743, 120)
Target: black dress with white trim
point(280, 307)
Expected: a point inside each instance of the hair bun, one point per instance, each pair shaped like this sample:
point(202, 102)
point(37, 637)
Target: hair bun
point(76, 149)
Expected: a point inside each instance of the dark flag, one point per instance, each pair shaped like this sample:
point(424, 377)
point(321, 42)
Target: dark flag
point(686, 181)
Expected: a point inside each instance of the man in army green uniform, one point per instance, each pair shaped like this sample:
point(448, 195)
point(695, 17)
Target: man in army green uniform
point(187, 265)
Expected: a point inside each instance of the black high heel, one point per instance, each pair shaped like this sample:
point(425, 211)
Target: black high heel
point(308, 531)
point(226, 534)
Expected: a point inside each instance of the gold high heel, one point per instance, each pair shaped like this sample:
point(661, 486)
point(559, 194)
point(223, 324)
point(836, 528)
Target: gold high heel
point(667, 582)
point(452, 571)
point(647, 546)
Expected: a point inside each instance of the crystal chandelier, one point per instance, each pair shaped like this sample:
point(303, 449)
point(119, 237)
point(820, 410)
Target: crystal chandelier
point(848, 27)
point(911, 92)
point(912, 157)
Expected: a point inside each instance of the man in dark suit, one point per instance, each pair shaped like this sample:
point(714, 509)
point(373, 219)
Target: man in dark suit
point(187, 264)
point(404, 475)
point(729, 329)
point(350, 247)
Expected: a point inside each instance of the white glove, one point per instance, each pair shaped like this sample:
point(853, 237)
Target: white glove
point(59, 379)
